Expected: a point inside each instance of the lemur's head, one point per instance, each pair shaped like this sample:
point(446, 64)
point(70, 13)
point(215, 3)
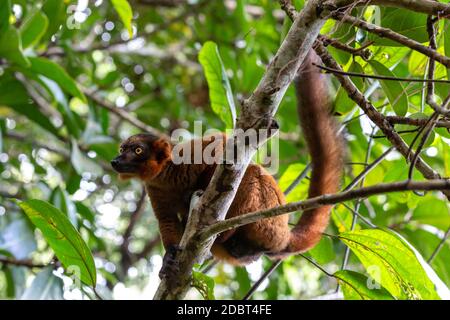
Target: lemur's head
point(142, 156)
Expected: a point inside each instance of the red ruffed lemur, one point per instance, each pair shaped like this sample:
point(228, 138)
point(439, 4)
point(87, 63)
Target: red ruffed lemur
point(170, 185)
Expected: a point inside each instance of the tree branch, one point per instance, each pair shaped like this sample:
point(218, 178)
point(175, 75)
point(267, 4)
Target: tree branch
point(373, 76)
point(327, 199)
point(361, 51)
point(21, 263)
point(121, 113)
point(388, 33)
point(415, 122)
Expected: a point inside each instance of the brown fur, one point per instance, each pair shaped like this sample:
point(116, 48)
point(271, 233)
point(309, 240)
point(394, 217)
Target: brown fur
point(170, 186)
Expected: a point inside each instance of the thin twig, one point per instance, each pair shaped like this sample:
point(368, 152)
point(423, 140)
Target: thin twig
point(126, 258)
point(364, 219)
point(122, 113)
point(362, 51)
point(261, 279)
point(415, 122)
point(21, 263)
point(440, 245)
point(369, 167)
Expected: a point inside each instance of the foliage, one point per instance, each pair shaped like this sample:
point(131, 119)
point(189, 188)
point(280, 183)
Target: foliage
point(169, 67)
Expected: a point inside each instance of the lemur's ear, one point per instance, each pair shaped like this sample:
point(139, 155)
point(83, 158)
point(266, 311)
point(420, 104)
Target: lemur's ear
point(160, 155)
point(162, 150)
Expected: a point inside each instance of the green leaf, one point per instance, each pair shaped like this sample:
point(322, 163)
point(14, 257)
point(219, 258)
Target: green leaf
point(81, 163)
point(56, 73)
point(289, 175)
point(405, 22)
point(5, 12)
point(393, 89)
point(62, 105)
point(85, 212)
point(125, 12)
point(33, 29)
point(394, 263)
point(356, 286)
point(434, 212)
point(60, 199)
point(323, 252)
point(54, 10)
point(14, 96)
point(204, 284)
point(343, 104)
point(220, 93)
point(12, 91)
point(390, 56)
point(63, 238)
point(11, 47)
point(46, 286)
point(33, 113)
point(427, 242)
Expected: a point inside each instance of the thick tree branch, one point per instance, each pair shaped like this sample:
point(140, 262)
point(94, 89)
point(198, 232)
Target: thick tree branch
point(327, 199)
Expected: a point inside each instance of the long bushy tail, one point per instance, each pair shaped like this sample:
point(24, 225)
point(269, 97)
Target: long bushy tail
point(325, 147)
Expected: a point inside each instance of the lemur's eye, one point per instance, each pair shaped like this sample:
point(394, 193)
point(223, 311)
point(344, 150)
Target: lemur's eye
point(138, 150)
point(120, 150)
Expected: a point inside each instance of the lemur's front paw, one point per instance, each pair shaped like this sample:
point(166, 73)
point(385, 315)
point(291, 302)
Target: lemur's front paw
point(170, 264)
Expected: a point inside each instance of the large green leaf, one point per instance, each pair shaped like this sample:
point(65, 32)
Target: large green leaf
point(323, 252)
point(11, 47)
point(405, 22)
point(81, 163)
point(56, 73)
point(220, 94)
point(434, 212)
point(5, 12)
point(393, 89)
point(60, 199)
point(33, 29)
point(394, 263)
point(46, 286)
point(289, 176)
point(204, 284)
point(125, 12)
point(69, 117)
point(56, 14)
point(33, 113)
point(356, 286)
point(63, 238)
point(427, 242)
point(14, 96)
